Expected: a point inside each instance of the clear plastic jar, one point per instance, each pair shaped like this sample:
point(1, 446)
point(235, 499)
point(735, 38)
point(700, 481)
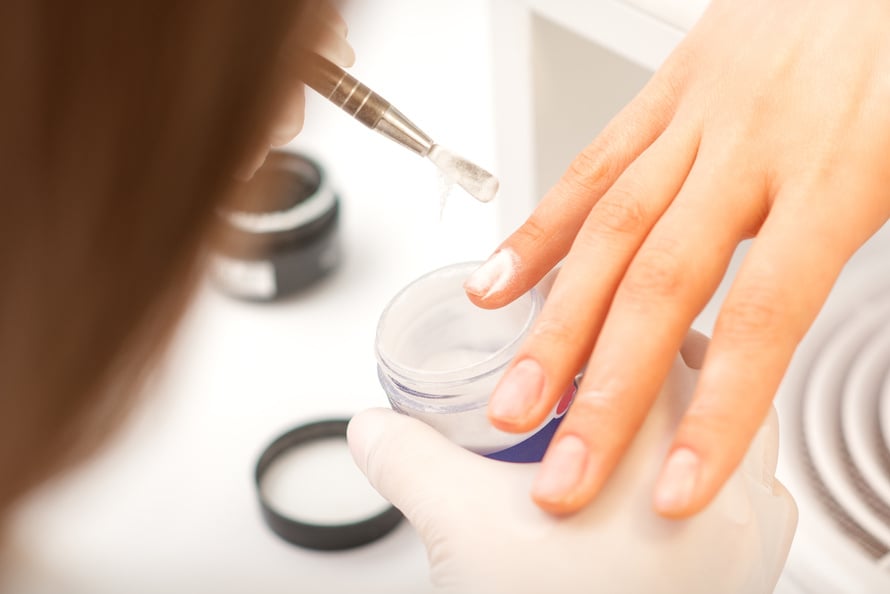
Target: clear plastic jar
point(440, 357)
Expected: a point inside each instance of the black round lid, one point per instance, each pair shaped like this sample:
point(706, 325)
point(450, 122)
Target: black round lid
point(318, 535)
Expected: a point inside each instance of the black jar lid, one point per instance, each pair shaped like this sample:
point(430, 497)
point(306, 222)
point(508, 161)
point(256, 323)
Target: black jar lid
point(303, 527)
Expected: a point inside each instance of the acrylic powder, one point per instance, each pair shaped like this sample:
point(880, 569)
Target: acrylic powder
point(476, 181)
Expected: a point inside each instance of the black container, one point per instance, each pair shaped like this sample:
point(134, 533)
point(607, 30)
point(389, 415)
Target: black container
point(285, 237)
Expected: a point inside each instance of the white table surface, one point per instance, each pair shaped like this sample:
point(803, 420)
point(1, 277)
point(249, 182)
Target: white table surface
point(170, 506)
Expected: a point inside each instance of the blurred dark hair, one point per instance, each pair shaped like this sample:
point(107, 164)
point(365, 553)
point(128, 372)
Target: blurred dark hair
point(121, 125)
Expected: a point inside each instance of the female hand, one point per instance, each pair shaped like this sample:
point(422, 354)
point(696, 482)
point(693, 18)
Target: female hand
point(329, 32)
point(771, 120)
point(484, 535)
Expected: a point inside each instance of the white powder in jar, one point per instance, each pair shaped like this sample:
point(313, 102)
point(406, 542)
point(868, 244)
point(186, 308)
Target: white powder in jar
point(454, 359)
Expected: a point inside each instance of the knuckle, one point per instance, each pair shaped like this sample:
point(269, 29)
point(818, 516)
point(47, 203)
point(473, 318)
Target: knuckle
point(607, 416)
point(619, 213)
point(666, 88)
point(532, 232)
point(556, 332)
point(657, 271)
point(707, 426)
point(592, 406)
point(754, 315)
point(591, 170)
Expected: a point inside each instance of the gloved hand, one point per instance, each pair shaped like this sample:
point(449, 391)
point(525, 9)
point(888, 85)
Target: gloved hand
point(484, 534)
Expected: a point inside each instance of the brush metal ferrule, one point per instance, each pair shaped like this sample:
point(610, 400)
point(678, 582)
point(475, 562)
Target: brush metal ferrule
point(363, 104)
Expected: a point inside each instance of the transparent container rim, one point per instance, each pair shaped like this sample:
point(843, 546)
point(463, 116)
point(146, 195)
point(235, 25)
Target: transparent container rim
point(488, 365)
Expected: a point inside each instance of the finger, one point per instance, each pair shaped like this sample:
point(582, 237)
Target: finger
point(783, 282)
point(333, 46)
point(329, 40)
point(321, 34)
point(329, 15)
point(396, 453)
point(246, 171)
point(670, 279)
point(544, 239)
point(292, 117)
point(564, 332)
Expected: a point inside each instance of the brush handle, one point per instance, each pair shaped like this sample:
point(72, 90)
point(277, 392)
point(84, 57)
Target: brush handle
point(344, 90)
point(363, 104)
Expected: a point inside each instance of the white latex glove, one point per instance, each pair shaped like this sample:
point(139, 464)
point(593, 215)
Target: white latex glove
point(483, 533)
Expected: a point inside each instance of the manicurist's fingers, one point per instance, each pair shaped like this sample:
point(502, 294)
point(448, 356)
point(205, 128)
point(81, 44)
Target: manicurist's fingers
point(780, 288)
point(328, 14)
point(332, 45)
point(324, 33)
point(671, 277)
point(290, 122)
point(395, 452)
point(563, 334)
point(546, 236)
point(328, 40)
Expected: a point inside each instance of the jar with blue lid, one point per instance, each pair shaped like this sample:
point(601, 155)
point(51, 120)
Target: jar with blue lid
point(440, 357)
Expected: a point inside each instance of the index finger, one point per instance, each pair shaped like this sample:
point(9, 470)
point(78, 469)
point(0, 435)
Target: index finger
point(545, 238)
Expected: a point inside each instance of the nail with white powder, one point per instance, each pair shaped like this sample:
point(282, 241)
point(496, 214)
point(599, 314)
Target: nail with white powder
point(494, 275)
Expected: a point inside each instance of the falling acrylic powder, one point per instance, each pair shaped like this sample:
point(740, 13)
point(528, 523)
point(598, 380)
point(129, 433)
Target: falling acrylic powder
point(454, 169)
point(446, 186)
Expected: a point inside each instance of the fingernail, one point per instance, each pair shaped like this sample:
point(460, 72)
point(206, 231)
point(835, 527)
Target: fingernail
point(283, 136)
point(347, 56)
point(493, 276)
point(339, 52)
point(562, 469)
point(518, 391)
point(291, 122)
point(677, 481)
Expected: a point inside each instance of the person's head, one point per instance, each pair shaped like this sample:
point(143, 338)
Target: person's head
point(121, 126)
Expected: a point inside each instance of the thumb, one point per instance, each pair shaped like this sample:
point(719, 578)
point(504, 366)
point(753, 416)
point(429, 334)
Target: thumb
point(410, 463)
